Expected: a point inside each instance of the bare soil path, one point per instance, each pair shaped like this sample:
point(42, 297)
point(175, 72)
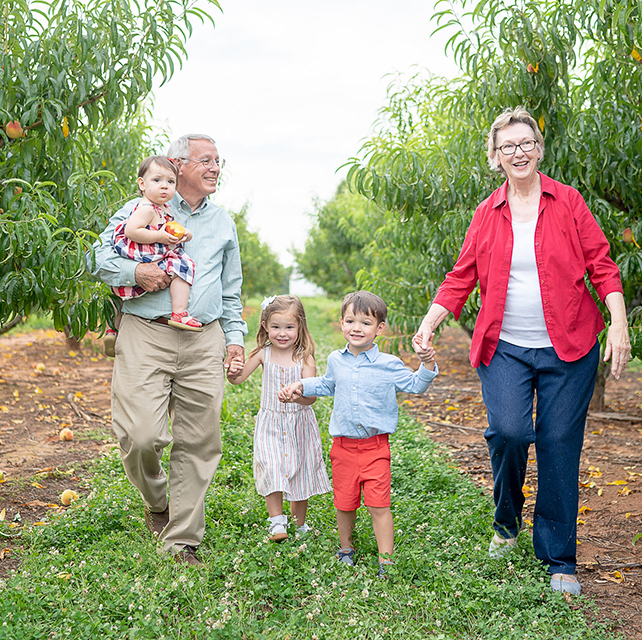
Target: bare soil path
point(45, 386)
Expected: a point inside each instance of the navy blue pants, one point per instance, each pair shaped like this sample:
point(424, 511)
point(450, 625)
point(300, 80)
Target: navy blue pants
point(564, 390)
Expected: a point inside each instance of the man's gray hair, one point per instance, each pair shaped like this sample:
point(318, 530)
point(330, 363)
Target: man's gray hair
point(180, 148)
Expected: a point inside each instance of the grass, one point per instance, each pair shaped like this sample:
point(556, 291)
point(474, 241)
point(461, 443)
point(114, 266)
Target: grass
point(94, 572)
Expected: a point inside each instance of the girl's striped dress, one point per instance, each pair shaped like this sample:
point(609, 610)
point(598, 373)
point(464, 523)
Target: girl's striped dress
point(287, 444)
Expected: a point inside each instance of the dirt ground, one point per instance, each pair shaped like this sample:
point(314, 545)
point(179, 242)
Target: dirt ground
point(46, 385)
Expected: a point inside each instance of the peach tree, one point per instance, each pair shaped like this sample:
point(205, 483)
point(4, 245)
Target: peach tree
point(73, 76)
point(577, 66)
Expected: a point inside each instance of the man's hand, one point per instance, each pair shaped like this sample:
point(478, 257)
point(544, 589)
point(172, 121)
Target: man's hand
point(235, 368)
point(235, 353)
point(292, 392)
point(151, 277)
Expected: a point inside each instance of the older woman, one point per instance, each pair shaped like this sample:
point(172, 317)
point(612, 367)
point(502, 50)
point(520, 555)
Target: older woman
point(529, 245)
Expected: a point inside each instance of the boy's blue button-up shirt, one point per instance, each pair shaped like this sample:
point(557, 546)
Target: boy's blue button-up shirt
point(216, 293)
point(365, 390)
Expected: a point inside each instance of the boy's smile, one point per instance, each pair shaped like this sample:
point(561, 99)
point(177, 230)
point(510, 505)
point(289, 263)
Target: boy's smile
point(360, 330)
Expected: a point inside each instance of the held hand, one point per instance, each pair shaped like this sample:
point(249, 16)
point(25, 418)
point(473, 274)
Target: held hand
point(618, 346)
point(235, 368)
point(236, 353)
point(187, 236)
point(291, 392)
point(426, 355)
point(151, 277)
point(422, 339)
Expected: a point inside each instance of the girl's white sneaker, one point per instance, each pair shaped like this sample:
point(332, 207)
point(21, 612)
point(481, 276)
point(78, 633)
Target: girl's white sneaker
point(278, 528)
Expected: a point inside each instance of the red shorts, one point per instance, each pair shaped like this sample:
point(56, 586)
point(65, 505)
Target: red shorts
point(361, 464)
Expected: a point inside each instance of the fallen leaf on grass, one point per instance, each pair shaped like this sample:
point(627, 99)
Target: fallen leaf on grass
point(4, 409)
point(64, 576)
point(618, 482)
point(580, 521)
point(600, 491)
point(40, 523)
point(594, 472)
point(37, 485)
point(624, 491)
point(583, 509)
point(53, 505)
point(3, 515)
point(589, 485)
point(4, 552)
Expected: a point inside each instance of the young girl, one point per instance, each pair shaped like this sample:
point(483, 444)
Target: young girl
point(144, 237)
point(287, 447)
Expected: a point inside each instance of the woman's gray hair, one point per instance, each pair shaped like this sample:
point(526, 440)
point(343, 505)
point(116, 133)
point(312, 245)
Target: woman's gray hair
point(506, 118)
point(180, 148)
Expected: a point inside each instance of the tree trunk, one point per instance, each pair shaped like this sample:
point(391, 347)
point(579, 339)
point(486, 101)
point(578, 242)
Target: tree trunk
point(11, 324)
point(72, 341)
point(603, 372)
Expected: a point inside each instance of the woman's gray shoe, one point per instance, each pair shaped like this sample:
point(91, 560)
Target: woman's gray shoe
point(565, 583)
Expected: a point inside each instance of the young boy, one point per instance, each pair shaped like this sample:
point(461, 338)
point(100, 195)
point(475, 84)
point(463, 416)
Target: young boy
point(364, 383)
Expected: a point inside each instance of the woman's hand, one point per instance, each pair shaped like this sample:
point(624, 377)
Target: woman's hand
point(618, 345)
point(435, 316)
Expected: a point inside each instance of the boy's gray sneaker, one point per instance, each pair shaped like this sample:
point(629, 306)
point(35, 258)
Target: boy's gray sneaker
point(345, 556)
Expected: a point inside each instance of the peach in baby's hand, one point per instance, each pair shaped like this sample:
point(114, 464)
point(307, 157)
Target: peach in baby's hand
point(175, 229)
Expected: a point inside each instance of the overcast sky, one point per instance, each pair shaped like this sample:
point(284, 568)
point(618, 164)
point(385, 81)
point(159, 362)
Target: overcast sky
point(289, 90)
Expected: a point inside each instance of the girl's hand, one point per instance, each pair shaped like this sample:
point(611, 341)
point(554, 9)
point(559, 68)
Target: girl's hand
point(187, 236)
point(291, 393)
point(168, 238)
point(235, 367)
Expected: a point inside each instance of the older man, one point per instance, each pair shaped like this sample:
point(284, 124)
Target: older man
point(161, 370)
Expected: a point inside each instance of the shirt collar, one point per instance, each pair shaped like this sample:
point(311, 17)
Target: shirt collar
point(500, 198)
point(182, 205)
point(372, 354)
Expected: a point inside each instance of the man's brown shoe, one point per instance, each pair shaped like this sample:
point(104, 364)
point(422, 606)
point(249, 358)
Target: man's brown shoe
point(188, 555)
point(156, 521)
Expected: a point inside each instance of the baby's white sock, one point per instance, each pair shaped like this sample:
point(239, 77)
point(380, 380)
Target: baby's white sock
point(280, 519)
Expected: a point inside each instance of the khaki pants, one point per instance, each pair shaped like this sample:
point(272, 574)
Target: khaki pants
point(161, 371)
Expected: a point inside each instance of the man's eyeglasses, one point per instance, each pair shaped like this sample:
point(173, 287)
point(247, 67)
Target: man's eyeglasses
point(207, 163)
point(510, 149)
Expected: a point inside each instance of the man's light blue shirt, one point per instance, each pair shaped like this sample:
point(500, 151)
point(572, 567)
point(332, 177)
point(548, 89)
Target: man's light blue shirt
point(365, 390)
point(216, 293)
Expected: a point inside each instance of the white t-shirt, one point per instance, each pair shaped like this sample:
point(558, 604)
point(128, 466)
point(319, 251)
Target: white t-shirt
point(524, 323)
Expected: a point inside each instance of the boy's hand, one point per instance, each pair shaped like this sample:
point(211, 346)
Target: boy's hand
point(427, 355)
point(235, 367)
point(292, 392)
